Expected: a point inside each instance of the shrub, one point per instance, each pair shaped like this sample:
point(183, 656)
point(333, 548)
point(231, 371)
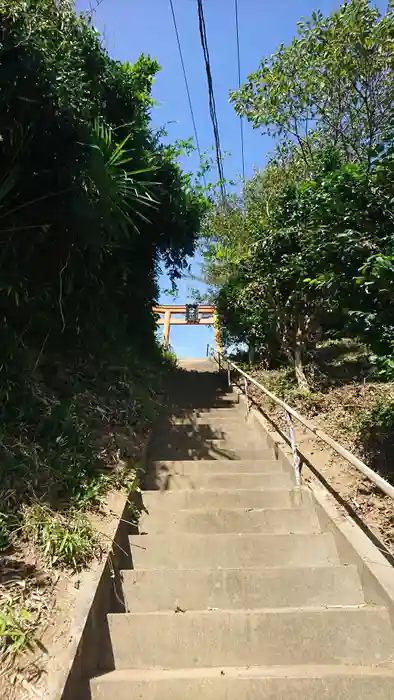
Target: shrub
point(376, 436)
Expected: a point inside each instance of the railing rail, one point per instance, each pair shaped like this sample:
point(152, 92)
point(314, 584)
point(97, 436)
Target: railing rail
point(291, 413)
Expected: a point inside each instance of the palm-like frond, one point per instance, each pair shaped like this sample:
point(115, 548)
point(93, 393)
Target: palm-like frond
point(127, 194)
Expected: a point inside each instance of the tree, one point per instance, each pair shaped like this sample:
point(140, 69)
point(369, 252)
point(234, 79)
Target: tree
point(333, 84)
point(315, 242)
point(92, 201)
point(319, 258)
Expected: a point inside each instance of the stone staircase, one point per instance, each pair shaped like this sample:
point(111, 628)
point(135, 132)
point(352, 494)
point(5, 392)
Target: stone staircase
point(235, 592)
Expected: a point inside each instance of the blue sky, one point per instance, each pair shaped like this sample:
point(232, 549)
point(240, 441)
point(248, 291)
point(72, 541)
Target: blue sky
point(132, 27)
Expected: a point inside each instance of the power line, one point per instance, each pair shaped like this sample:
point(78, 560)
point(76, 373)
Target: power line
point(241, 124)
point(92, 9)
point(186, 81)
point(212, 104)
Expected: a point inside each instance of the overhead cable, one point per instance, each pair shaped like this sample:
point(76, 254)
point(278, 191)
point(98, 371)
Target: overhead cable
point(186, 81)
point(239, 86)
point(211, 95)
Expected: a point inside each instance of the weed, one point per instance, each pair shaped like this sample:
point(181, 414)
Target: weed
point(65, 540)
point(8, 524)
point(16, 629)
point(170, 356)
point(282, 382)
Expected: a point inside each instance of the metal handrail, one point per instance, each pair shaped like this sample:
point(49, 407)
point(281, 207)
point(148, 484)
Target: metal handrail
point(381, 483)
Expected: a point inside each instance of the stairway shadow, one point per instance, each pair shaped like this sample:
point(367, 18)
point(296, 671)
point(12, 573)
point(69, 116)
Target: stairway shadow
point(180, 433)
point(236, 586)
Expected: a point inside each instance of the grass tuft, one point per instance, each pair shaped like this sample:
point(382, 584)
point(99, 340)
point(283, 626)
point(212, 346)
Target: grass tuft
point(64, 539)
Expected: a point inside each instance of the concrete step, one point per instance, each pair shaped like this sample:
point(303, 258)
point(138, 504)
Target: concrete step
point(235, 434)
point(232, 520)
point(217, 615)
point(243, 480)
point(232, 551)
point(148, 591)
point(204, 401)
point(223, 413)
point(219, 418)
point(224, 498)
point(245, 683)
point(207, 449)
point(225, 422)
point(191, 467)
point(270, 637)
point(216, 417)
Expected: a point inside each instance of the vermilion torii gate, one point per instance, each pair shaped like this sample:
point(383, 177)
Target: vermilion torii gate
point(194, 315)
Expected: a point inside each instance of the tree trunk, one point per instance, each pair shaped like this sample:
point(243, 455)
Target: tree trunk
point(294, 352)
point(299, 369)
point(251, 353)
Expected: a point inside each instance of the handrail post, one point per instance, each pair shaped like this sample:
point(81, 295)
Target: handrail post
point(246, 394)
point(296, 458)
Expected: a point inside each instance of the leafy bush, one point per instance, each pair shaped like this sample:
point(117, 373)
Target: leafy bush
point(376, 436)
point(170, 356)
point(384, 365)
point(307, 251)
point(92, 203)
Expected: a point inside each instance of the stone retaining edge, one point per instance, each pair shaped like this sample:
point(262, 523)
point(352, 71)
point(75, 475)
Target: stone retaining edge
point(79, 661)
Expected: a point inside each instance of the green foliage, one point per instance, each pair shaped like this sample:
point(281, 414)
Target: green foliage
point(379, 417)
point(376, 435)
point(318, 259)
point(86, 219)
point(76, 436)
point(333, 82)
point(384, 366)
point(16, 629)
point(8, 524)
point(92, 205)
point(170, 356)
point(307, 252)
point(64, 540)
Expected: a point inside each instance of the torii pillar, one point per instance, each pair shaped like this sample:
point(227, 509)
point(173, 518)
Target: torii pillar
point(166, 329)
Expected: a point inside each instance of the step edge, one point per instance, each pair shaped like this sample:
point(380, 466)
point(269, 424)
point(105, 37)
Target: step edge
point(225, 491)
point(247, 672)
point(324, 535)
point(237, 509)
point(338, 568)
point(251, 612)
point(232, 473)
point(231, 490)
point(215, 461)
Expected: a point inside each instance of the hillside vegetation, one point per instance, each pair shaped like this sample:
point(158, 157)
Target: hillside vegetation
point(348, 403)
point(301, 264)
point(92, 205)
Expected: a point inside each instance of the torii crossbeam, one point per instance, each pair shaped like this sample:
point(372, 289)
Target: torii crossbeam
point(206, 317)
